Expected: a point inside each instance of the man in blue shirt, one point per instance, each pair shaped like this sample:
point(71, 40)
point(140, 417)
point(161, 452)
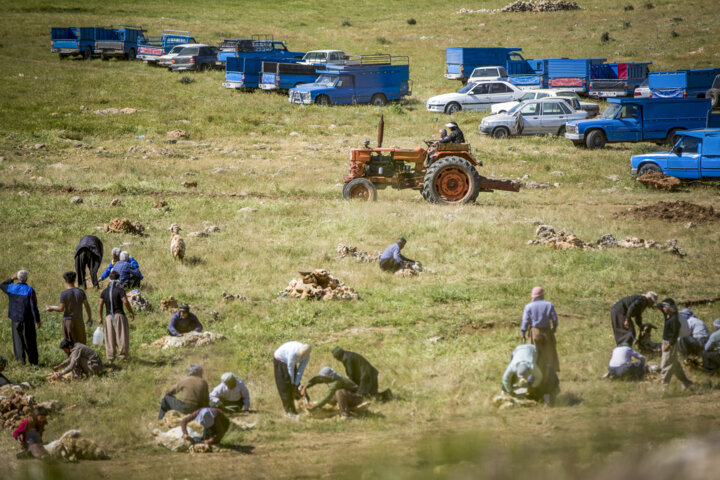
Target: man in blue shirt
point(184, 322)
point(130, 276)
point(540, 321)
point(391, 259)
point(116, 258)
point(711, 354)
point(23, 311)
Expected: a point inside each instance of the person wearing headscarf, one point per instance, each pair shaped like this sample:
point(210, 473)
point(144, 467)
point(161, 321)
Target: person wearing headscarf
point(72, 302)
point(214, 422)
point(542, 384)
point(711, 353)
point(183, 321)
point(130, 276)
point(360, 371)
point(694, 342)
point(88, 254)
point(621, 363)
point(116, 258)
point(289, 362)
point(539, 323)
point(3, 379)
point(117, 330)
point(669, 363)
point(627, 310)
point(341, 390)
point(231, 394)
point(29, 434)
point(23, 311)
point(81, 360)
point(186, 396)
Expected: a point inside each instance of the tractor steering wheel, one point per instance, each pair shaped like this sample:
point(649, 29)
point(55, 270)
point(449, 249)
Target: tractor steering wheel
point(430, 143)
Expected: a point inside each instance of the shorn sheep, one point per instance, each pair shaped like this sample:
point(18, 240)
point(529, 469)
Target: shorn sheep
point(177, 244)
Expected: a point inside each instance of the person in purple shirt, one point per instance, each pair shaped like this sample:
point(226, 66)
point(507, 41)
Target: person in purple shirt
point(184, 322)
point(391, 259)
point(130, 276)
point(539, 323)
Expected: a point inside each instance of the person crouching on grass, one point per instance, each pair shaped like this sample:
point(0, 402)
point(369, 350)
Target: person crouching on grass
point(214, 422)
point(82, 360)
point(29, 434)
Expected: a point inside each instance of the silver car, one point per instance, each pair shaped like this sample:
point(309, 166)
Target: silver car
point(532, 117)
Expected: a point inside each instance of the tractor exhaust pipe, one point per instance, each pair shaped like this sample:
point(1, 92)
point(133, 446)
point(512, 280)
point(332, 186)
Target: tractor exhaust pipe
point(381, 131)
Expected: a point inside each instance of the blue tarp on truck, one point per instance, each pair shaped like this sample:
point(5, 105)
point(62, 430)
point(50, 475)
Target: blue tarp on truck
point(682, 83)
point(243, 72)
point(570, 73)
point(617, 79)
point(527, 73)
point(68, 41)
point(461, 61)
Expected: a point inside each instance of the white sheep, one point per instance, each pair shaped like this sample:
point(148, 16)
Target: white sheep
point(177, 244)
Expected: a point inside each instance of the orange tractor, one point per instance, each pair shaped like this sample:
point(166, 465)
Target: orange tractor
point(444, 173)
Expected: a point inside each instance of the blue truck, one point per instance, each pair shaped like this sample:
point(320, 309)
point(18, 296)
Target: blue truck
point(640, 120)
point(527, 74)
point(570, 73)
point(617, 79)
point(67, 41)
point(695, 155)
point(461, 61)
point(263, 45)
point(119, 41)
point(242, 72)
point(374, 79)
point(157, 46)
point(682, 83)
point(284, 76)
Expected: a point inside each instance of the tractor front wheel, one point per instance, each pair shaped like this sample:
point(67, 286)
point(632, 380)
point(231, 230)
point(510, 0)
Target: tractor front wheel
point(360, 189)
point(451, 180)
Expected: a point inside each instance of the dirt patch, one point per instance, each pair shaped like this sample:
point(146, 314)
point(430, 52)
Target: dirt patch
point(679, 211)
point(124, 225)
point(659, 181)
point(472, 327)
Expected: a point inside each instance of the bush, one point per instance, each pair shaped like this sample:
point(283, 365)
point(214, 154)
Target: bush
point(346, 23)
point(383, 41)
point(185, 80)
point(605, 37)
point(411, 21)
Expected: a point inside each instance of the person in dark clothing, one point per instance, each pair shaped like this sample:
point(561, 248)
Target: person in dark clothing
point(88, 253)
point(81, 361)
point(117, 329)
point(625, 311)
point(669, 363)
point(213, 421)
point(548, 389)
point(3, 379)
point(191, 390)
point(391, 259)
point(184, 322)
point(130, 276)
point(72, 301)
point(455, 135)
point(360, 371)
point(23, 311)
point(341, 391)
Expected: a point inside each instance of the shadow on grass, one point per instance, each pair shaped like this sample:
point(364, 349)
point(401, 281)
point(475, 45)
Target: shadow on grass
point(237, 448)
point(194, 261)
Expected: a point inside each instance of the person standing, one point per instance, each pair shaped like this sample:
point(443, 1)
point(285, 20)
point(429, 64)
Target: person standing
point(72, 301)
point(81, 360)
point(625, 311)
point(289, 362)
point(184, 322)
point(88, 254)
point(188, 395)
point(391, 259)
point(669, 363)
point(23, 311)
point(117, 332)
point(539, 323)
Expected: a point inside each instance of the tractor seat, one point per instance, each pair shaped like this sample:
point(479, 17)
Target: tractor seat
point(454, 147)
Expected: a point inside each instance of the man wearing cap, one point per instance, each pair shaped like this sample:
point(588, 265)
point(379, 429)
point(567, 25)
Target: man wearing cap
point(214, 422)
point(391, 259)
point(669, 363)
point(539, 323)
point(621, 363)
point(625, 311)
point(341, 390)
point(231, 395)
point(82, 360)
point(289, 362)
point(711, 353)
point(694, 343)
point(360, 371)
point(3, 379)
point(23, 311)
point(184, 322)
point(116, 258)
point(186, 396)
point(455, 135)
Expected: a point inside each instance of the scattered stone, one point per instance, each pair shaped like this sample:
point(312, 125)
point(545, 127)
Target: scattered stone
point(170, 305)
point(627, 8)
point(18, 405)
point(531, 6)
point(71, 447)
point(689, 225)
point(360, 256)
point(188, 340)
point(138, 302)
point(137, 149)
point(435, 340)
point(219, 170)
point(320, 285)
point(537, 185)
point(212, 229)
point(127, 111)
point(38, 146)
point(229, 297)
point(171, 141)
point(674, 34)
point(605, 37)
point(189, 184)
point(116, 202)
point(23, 193)
point(557, 173)
point(613, 178)
point(99, 149)
point(649, 6)
point(560, 240)
point(124, 225)
point(83, 108)
point(215, 315)
point(177, 134)
point(247, 210)
point(416, 268)
point(293, 134)
point(54, 114)
point(76, 200)
point(198, 234)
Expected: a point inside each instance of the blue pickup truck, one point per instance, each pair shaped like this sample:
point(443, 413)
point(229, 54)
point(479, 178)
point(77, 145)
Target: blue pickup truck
point(570, 73)
point(156, 46)
point(242, 72)
point(617, 79)
point(263, 45)
point(119, 41)
point(640, 120)
point(67, 41)
point(528, 74)
point(461, 61)
point(682, 83)
point(374, 79)
point(291, 73)
point(695, 155)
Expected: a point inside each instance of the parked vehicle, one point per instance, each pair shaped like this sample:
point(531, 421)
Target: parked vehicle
point(157, 46)
point(263, 45)
point(682, 83)
point(570, 73)
point(592, 108)
point(243, 72)
point(374, 79)
point(640, 120)
point(695, 155)
point(714, 92)
point(483, 74)
point(474, 96)
point(166, 60)
point(461, 62)
point(532, 117)
point(643, 90)
point(195, 57)
point(284, 76)
point(505, 107)
point(119, 41)
point(617, 79)
point(527, 74)
point(67, 41)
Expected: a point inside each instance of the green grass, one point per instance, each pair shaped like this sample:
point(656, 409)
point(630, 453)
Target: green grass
point(483, 268)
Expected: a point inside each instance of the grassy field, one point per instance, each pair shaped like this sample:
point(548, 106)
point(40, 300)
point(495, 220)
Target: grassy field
point(242, 152)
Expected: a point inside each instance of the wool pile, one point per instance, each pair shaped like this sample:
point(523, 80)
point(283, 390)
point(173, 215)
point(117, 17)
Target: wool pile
point(138, 302)
point(503, 402)
point(360, 256)
point(124, 225)
point(188, 340)
point(319, 285)
point(71, 447)
point(414, 269)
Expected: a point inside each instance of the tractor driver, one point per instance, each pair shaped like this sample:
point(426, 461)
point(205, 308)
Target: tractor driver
point(455, 135)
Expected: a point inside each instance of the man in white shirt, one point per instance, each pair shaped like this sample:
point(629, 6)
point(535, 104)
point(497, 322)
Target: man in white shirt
point(289, 362)
point(231, 395)
point(622, 365)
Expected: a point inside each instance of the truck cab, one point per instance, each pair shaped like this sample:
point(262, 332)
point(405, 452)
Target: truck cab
point(324, 57)
point(695, 155)
point(156, 46)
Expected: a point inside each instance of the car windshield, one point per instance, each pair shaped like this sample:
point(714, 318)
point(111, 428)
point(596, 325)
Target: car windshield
point(688, 144)
point(610, 111)
point(485, 72)
point(326, 80)
point(528, 96)
point(176, 49)
point(466, 88)
point(565, 94)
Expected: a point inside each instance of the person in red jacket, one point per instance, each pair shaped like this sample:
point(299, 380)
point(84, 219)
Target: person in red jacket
point(29, 434)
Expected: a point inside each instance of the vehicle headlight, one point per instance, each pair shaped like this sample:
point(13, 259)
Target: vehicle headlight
point(306, 96)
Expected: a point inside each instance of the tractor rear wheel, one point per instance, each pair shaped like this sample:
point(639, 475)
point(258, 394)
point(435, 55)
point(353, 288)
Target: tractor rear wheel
point(451, 180)
point(360, 189)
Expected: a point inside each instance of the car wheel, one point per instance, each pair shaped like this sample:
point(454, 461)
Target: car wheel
point(502, 112)
point(595, 139)
point(452, 108)
point(672, 137)
point(378, 99)
point(323, 100)
point(561, 131)
point(501, 132)
point(87, 55)
point(360, 189)
point(649, 168)
point(714, 98)
point(131, 54)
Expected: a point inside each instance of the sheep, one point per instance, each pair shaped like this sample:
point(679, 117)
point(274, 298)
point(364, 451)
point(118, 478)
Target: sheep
point(177, 244)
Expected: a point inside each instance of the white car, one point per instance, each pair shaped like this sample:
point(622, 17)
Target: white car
point(324, 57)
point(166, 60)
point(474, 96)
point(592, 108)
point(642, 90)
point(484, 74)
